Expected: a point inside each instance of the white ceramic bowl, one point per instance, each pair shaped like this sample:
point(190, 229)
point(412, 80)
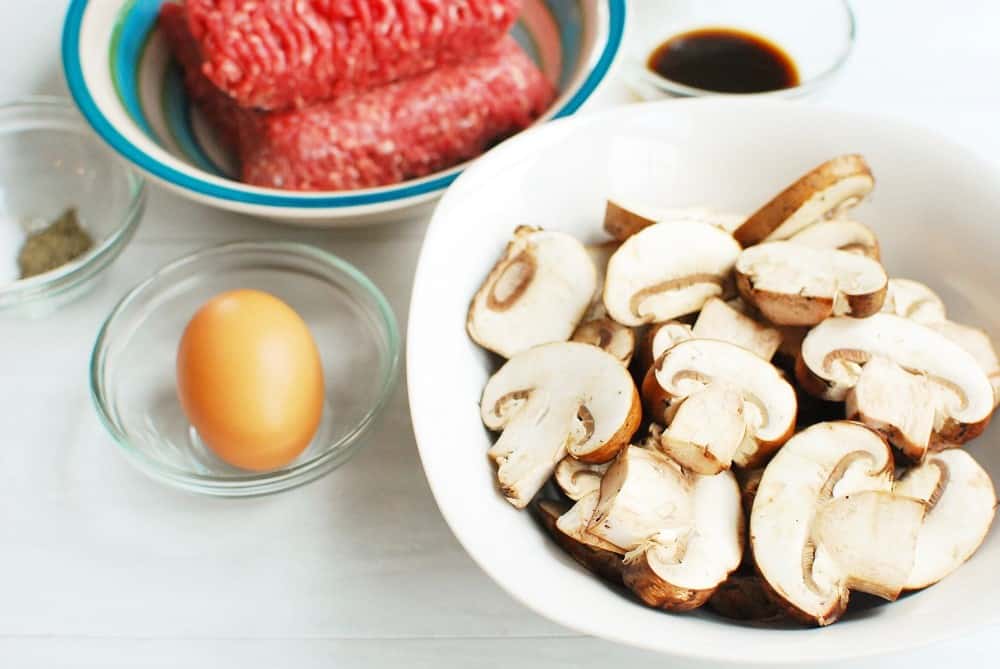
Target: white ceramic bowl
point(121, 77)
point(935, 208)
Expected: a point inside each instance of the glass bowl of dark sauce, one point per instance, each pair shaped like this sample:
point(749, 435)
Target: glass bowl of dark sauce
point(784, 48)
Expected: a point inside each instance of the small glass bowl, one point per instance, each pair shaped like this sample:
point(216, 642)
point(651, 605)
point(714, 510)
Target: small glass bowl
point(818, 35)
point(132, 369)
point(51, 161)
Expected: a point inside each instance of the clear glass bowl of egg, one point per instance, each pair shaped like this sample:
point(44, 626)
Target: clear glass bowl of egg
point(146, 392)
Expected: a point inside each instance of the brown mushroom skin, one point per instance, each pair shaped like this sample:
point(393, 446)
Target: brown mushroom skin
point(608, 335)
point(619, 439)
point(621, 223)
point(768, 218)
point(744, 597)
point(640, 578)
point(654, 398)
point(605, 564)
point(804, 310)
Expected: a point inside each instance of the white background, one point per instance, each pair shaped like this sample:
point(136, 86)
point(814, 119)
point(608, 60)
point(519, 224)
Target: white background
point(101, 568)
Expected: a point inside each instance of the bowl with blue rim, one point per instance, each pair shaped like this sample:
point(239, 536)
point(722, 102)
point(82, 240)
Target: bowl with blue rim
point(131, 92)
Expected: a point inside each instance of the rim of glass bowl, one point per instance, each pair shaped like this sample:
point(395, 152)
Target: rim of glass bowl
point(681, 90)
point(55, 112)
point(267, 482)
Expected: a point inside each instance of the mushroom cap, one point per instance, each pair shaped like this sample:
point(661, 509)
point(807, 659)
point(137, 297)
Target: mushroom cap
point(576, 521)
point(578, 479)
point(621, 221)
point(977, 343)
point(913, 300)
point(834, 351)
point(600, 253)
point(552, 399)
point(823, 192)
point(823, 462)
point(668, 270)
point(682, 576)
point(720, 320)
point(797, 285)
point(768, 399)
point(605, 564)
point(961, 502)
point(537, 293)
point(842, 234)
point(744, 597)
point(608, 335)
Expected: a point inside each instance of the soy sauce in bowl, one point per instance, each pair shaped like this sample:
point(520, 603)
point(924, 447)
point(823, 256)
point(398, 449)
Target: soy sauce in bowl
point(724, 60)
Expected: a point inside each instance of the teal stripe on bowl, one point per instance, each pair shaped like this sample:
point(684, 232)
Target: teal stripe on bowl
point(177, 115)
point(128, 45)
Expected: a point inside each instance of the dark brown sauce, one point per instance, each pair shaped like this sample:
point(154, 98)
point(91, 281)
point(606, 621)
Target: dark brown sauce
point(724, 60)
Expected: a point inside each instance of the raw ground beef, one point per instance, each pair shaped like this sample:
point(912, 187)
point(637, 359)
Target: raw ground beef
point(276, 54)
point(400, 131)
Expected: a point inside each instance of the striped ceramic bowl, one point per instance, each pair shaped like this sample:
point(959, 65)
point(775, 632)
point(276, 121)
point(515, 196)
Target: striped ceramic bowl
point(131, 93)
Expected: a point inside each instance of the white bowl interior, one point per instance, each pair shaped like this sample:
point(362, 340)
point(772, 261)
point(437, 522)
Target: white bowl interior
point(933, 208)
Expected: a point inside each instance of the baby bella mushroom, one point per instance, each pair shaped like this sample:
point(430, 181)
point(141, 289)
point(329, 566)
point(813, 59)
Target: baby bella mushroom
point(748, 412)
point(552, 400)
point(683, 532)
point(578, 479)
point(668, 270)
point(841, 234)
point(941, 380)
point(621, 221)
point(960, 502)
point(604, 563)
point(913, 300)
point(796, 285)
point(721, 320)
point(825, 192)
point(824, 522)
point(537, 293)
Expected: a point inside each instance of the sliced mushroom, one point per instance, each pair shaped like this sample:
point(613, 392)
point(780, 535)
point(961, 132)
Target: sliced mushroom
point(769, 406)
point(960, 502)
point(605, 564)
point(682, 531)
point(668, 270)
point(576, 521)
point(609, 336)
point(825, 192)
point(913, 300)
point(816, 533)
point(537, 293)
point(977, 343)
point(578, 479)
point(796, 285)
point(842, 234)
point(836, 350)
point(707, 429)
point(554, 399)
point(621, 221)
point(719, 320)
point(659, 338)
point(898, 404)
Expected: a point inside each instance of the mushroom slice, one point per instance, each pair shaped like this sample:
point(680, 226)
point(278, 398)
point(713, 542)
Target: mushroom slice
point(796, 285)
point(913, 300)
point(668, 270)
point(824, 192)
point(835, 351)
point(554, 399)
point(659, 338)
point(808, 564)
point(898, 404)
point(769, 405)
point(537, 293)
point(600, 254)
point(609, 336)
point(979, 344)
point(604, 563)
point(680, 572)
point(960, 502)
point(841, 234)
point(621, 221)
point(576, 521)
point(707, 429)
point(578, 479)
point(719, 320)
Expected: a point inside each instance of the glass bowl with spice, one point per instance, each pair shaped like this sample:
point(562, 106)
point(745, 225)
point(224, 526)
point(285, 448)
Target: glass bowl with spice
point(783, 48)
point(68, 206)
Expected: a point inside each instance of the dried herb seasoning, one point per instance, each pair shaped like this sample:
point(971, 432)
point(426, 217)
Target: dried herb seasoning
point(57, 244)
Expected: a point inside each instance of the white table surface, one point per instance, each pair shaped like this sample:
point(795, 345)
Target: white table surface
point(100, 567)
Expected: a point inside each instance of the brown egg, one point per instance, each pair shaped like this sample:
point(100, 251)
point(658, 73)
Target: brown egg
point(250, 380)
